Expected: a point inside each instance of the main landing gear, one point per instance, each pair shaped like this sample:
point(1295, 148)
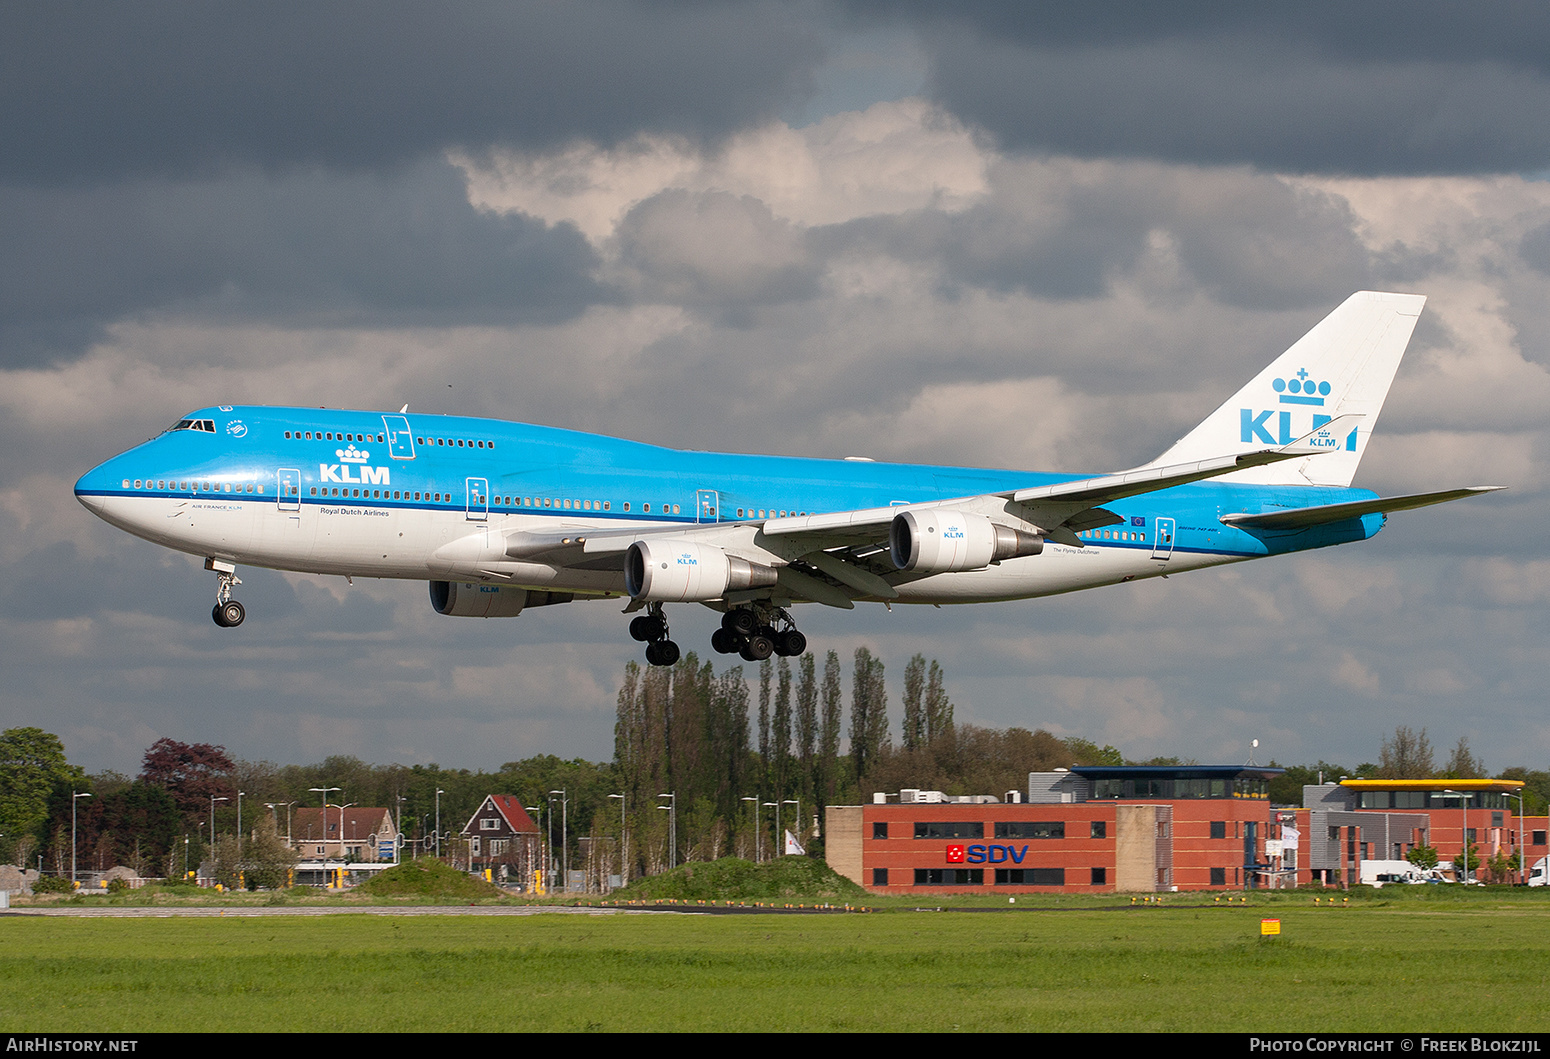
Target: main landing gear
point(751, 633)
point(651, 628)
point(227, 612)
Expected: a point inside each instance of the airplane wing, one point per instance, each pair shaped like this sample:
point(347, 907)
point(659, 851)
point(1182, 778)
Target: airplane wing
point(1304, 517)
point(838, 557)
point(1049, 508)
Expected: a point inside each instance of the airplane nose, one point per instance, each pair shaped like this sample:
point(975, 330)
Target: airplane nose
point(90, 488)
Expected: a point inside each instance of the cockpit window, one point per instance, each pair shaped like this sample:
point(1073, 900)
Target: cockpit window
point(206, 425)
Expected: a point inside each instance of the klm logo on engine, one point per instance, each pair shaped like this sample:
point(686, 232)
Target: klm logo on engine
point(686, 559)
point(1274, 427)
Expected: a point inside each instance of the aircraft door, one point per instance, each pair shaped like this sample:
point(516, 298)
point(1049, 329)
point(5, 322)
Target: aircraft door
point(1162, 542)
point(400, 440)
point(707, 506)
point(288, 489)
point(478, 500)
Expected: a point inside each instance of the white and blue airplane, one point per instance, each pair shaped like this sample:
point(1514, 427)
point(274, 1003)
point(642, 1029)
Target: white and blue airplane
point(500, 516)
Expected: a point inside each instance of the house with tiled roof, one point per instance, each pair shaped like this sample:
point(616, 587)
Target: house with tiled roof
point(503, 840)
point(354, 833)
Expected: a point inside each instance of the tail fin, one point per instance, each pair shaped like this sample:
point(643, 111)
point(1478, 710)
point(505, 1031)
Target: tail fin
point(1344, 366)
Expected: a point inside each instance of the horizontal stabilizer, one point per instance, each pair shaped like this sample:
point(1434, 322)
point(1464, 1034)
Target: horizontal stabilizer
point(1303, 517)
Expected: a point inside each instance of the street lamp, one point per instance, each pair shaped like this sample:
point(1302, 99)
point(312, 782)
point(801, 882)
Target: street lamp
point(1522, 834)
point(239, 827)
point(73, 797)
point(564, 837)
point(758, 837)
point(213, 800)
point(624, 844)
point(537, 813)
point(672, 827)
point(439, 793)
point(325, 791)
point(1463, 797)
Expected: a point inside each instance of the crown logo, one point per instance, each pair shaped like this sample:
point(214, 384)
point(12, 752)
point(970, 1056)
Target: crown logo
point(1301, 389)
point(352, 455)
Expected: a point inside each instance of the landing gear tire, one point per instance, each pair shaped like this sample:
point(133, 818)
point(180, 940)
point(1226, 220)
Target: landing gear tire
point(662, 652)
point(652, 627)
point(740, 621)
point(723, 642)
point(790, 643)
point(229, 615)
point(758, 648)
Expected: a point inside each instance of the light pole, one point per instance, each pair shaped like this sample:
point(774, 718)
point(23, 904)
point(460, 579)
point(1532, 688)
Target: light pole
point(213, 800)
point(798, 803)
point(324, 792)
point(398, 839)
point(672, 827)
point(758, 839)
point(624, 844)
point(439, 793)
point(1463, 797)
point(73, 798)
point(239, 827)
point(564, 837)
point(537, 812)
point(1522, 835)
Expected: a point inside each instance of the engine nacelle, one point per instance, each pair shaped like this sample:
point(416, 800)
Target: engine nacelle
point(682, 571)
point(944, 541)
point(468, 599)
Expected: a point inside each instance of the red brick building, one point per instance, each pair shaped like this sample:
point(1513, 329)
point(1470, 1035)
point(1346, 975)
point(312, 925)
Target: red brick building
point(1089, 829)
point(1358, 820)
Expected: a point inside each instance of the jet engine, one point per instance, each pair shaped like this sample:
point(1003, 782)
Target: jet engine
point(681, 571)
point(943, 541)
point(468, 599)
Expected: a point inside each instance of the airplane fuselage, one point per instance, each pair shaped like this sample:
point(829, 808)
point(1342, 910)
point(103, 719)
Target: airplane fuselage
point(435, 497)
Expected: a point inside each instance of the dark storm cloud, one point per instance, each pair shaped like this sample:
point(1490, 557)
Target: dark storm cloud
point(400, 247)
point(1252, 241)
point(94, 91)
point(1318, 87)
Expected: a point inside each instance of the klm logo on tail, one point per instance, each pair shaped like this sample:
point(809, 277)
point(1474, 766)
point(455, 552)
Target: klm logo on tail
point(1301, 389)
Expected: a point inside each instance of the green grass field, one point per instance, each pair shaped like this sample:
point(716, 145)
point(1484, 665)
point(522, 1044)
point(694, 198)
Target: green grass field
point(1422, 962)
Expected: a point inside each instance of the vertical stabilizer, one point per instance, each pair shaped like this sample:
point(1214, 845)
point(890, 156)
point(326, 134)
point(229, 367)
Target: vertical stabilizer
point(1344, 366)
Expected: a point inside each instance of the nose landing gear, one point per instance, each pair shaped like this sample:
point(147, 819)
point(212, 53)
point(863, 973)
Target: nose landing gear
point(651, 628)
point(227, 612)
point(751, 633)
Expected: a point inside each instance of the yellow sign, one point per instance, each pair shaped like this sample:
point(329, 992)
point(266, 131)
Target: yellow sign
point(1269, 926)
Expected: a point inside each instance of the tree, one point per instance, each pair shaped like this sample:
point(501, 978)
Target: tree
point(826, 771)
point(913, 735)
point(32, 769)
point(806, 725)
point(193, 773)
point(1423, 857)
point(267, 861)
point(780, 732)
point(1463, 765)
point(1406, 756)
point(868, 712)
point(938, 707)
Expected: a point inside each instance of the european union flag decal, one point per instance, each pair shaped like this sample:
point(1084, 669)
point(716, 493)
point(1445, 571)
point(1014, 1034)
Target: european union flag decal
point(1138, 520)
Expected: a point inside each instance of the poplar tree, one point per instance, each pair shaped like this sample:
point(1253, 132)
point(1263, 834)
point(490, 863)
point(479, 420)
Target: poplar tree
point(780, 731)
point(914, 733)
point(806, 726)
point(826, 776)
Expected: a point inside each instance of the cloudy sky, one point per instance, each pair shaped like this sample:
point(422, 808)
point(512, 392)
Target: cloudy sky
point(1022, 235)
